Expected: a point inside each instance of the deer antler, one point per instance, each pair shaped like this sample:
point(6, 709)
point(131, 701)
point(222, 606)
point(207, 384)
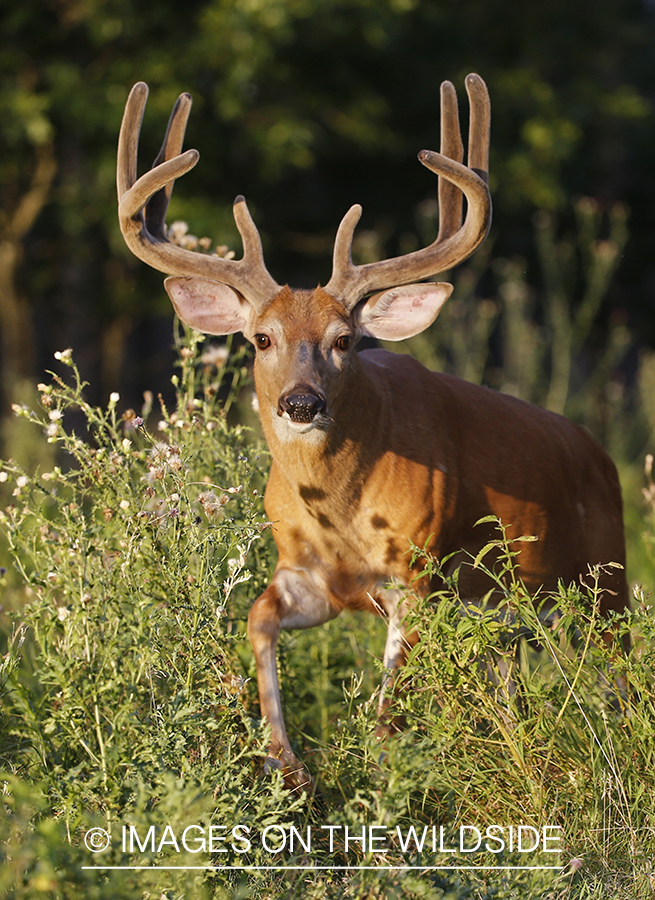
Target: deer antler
point(455, 240)
point(143, 202)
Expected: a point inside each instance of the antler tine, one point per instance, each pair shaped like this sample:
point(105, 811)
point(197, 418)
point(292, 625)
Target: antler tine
point(252, 242)
point(143, 202)
point(157, 206)
point(450, 197)
point(454, 243)
point(343, 270)
point(261, 287)
point(479, 126)
point(128, 139)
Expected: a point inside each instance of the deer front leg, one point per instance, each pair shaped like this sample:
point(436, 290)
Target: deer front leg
point(292, 600)
point(399, 642)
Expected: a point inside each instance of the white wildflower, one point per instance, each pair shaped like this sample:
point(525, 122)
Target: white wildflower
point(224, 252)
point(177, 231)
point(216, 355)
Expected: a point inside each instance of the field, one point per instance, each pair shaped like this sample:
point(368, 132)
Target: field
point(130, 715)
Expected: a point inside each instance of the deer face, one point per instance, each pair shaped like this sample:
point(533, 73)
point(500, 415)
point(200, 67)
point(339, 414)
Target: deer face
point(304, 343)
point(305, 340)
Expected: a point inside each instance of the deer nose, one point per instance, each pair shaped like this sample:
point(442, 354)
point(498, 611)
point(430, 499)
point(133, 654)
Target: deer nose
point(302, 404)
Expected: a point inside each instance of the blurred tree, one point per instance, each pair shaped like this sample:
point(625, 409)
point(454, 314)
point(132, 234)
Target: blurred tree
point(305, 106)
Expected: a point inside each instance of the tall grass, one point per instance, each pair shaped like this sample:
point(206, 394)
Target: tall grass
point(129, 699)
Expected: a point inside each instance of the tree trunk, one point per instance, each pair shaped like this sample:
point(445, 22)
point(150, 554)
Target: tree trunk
point(16, 327)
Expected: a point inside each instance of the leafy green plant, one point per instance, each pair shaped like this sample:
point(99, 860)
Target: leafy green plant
point(135, 552)
point(130, 714)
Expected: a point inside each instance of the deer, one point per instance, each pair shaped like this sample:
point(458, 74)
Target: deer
point(372, 452)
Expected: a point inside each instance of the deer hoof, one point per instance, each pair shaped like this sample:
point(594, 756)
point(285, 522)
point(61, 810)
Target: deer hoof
point(296, 777)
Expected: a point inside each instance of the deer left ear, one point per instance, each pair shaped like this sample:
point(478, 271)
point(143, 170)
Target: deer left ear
point(402, 312)
point(207, 306)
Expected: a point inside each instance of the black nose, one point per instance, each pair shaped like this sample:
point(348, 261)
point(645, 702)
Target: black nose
point(301, 405)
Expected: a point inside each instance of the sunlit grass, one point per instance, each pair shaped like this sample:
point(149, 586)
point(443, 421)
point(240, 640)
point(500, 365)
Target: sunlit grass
point(129, 696)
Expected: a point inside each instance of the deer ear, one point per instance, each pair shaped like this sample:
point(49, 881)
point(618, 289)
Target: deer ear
point(402, 312)
point(207, 306)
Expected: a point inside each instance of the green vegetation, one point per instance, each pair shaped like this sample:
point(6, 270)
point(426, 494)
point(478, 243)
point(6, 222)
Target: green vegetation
point(129, 700)
point(131, 550)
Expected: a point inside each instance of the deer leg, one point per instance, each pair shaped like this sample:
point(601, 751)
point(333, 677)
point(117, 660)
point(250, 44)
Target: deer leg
point(399, 642)
point(292, 600)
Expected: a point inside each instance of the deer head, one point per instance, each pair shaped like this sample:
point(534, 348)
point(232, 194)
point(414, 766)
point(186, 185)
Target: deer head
point(305, 339)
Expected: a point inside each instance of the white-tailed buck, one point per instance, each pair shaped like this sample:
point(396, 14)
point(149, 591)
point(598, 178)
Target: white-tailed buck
point(371, 451)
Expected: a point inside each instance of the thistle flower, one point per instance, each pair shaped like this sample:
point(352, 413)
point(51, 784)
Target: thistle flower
point(211, 503)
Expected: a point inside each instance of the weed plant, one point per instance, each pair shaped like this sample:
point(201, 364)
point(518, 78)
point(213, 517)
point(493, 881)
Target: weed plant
point(130, 712)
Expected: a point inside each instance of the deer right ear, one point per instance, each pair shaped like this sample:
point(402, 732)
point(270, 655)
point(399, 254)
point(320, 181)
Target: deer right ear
point(207, 306)
point(402, 312)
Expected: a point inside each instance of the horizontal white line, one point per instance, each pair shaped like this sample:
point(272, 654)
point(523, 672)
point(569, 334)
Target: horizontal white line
point(332, 868)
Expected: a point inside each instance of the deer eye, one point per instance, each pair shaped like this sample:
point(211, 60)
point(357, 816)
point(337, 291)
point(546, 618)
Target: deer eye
point(343, 342)
point(262, 341)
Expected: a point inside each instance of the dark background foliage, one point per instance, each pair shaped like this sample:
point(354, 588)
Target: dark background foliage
point(305, 106)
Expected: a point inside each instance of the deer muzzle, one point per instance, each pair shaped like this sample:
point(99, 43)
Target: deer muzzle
point(302, 404)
